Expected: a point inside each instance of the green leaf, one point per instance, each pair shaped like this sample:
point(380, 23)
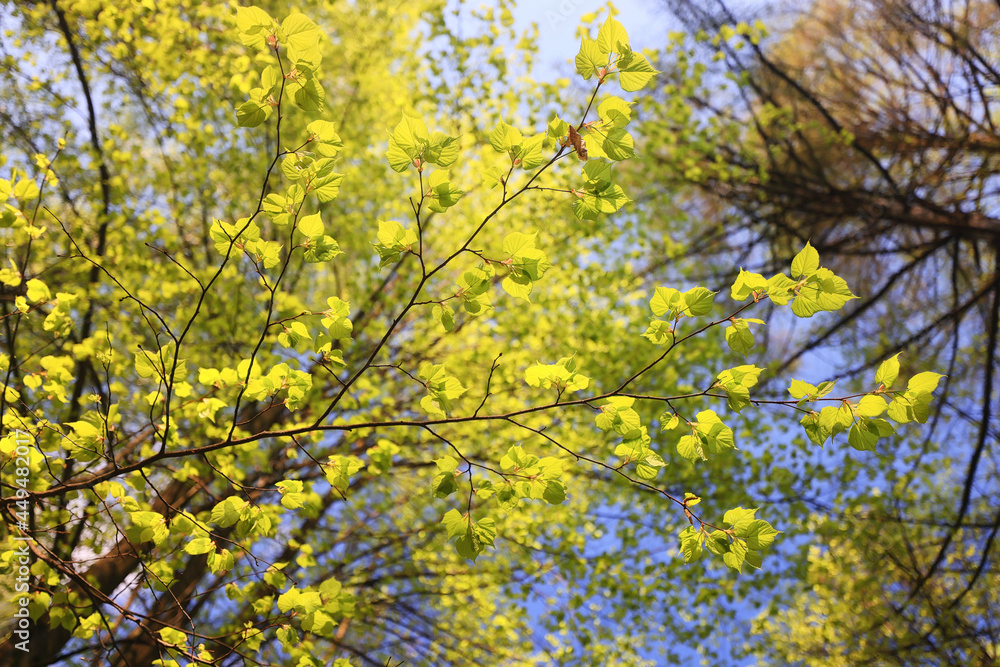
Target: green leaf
point(268, 80)
point(254, 25)
point(37, 291)
point(322, 248)
point(590, 58)
point(530, 155)
point(836, 419)
point(525, 262)
point(901, 409)
point(444, 484)
point(147, 364)
point(518, 287)
point(871, 406)
point(444, 314)
point(307, 93)
point(759, 535)
point(909, 407)
point(300, 33)
point(311, 225)
point(737, 383)
point(739, 338)
point(746, 284)
point(159, 364)
point(517, 460)
point(287, 637)
point(598, 174)
point(319, 623)
point(336, 318)
point(618, 415)
point(252, 113)
point(323, 138)
point(442, 388)
point(669, 421)
point(923, 383)
point(635, 443)
point(406, 143)
point(227, 512)
point(824, 388)
point(291, 493)
point(505, 138)
point(658, 332)
point(635, 72)
point(862, 437)
point(613, 143)
point(399, 160)
point(393, 240)
point(455, 523)
point(735, 557)
point(442, 150)
point(822, 291)
point(740, 519)
point(554, 493)
point(888, 371)
point(200, 545)
point(746, 376)
point(172, 636)
point(225, 235)
point(612, 36)
point(717, 542)
point(806, 262)
point(281, 210)
point(698, 301)
point(805, 392)
point(780, 289)
point(446, 464)
point(516, 242)
point(649, 467)
point(147, 527)
point(557, 130)
point(708, 436)
point(614, 113)
point(479, 535)
point(691, 447)
point(816, 432)
point(691, 544)
point(339, 470)
point(293, 333)
point(442, 192)
point(560, 375)
point(325, 183)
point(221, 561)
point(304, 602)
point(471, 538)
point(800, 389)
point(598, 198)
point(666, 300)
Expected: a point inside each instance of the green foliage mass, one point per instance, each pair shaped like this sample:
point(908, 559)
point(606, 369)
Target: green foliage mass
point(321, 363)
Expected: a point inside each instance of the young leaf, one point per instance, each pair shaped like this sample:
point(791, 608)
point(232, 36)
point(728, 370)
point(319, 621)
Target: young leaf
point(406, 143)
point(611, 36)
point(806, 262)
point(590, 58)
point(635, 72)
point(887, 371)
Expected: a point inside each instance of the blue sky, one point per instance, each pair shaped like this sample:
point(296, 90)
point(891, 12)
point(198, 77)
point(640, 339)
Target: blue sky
point(647, 23)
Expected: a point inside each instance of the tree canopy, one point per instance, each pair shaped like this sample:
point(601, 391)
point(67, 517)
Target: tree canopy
point(333, 337)
point(868, 128)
